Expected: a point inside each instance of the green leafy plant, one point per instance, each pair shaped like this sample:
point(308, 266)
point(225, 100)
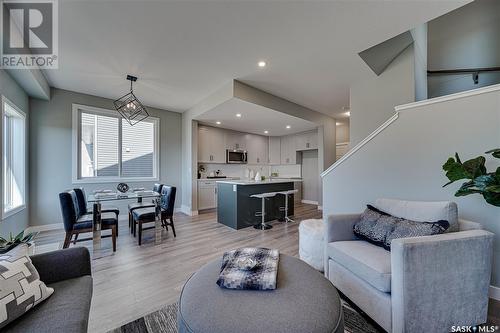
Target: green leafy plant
point(8, 244)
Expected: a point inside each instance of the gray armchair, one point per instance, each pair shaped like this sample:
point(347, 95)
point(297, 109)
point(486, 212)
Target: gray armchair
point(424, 284)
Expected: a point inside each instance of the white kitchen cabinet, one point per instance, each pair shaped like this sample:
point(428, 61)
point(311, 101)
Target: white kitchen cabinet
point(306, 141)
point(235, 140)
point(211, 145)
point(257, 149)
point(274, 150)
point(288, 150)
point(207, 194)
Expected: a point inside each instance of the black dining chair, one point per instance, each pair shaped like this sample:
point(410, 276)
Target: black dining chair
point(140, 204)
point(76, 223)
point(141, 216)
point(81, 198)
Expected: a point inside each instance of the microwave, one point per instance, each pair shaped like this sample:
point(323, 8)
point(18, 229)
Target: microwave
point(236, 156)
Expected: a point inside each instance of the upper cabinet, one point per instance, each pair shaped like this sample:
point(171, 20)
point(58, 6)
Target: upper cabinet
point(257, 149)
point(235, 140)
point(274, 150)
point(306, 141)
point(288, 150)
point(211, 145)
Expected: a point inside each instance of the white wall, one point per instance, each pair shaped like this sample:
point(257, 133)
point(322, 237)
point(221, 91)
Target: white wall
point(419, 35)
point(51, 153)
point(12, 91)
point(342, 133)
point(467, 37)
point(405, 161)
point(373, 99)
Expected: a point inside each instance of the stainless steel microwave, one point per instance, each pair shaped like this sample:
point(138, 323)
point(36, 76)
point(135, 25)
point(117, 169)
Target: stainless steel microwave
point(236, 156)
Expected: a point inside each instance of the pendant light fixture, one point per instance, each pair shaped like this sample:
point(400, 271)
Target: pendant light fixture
point(130, 108)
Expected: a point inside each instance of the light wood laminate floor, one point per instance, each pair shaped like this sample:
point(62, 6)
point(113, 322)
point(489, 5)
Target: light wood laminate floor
point(137, 280)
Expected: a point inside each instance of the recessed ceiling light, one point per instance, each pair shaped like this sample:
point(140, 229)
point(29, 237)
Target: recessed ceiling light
point(288, 126)
point(261, 64)
point(217, 122)
point(338, 124)
point(266, 132)
point(238, 115)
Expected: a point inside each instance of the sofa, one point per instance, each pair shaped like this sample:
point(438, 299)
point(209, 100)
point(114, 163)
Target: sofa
point(423, 284)
point(68, 271)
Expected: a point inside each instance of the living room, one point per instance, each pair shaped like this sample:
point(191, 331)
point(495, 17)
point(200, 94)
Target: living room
point(242, 166)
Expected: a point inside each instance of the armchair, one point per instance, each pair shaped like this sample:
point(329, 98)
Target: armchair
point(424, 283)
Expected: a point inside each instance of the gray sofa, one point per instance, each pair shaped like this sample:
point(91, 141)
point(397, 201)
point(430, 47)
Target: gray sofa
point(67, 310)
point(424, 284)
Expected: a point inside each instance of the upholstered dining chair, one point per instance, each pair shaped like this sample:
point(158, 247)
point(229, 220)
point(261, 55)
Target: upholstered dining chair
point(81, 198)
point(141, 216)
point(140, 204)
point(76, 223)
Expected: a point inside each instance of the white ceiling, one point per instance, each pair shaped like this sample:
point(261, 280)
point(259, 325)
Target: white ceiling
point(254, 119)
point(183, 51)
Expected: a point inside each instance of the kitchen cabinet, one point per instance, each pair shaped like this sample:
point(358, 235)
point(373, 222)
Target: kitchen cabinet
point(211, 145)
point(306, 141)
point(207, 194)
point(341, 149)
point(257, 149)
point(288, 150)
point(274, 150)
point(297, 197)
point(235, 140)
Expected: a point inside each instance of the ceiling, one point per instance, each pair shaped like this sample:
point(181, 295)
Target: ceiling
point(254, 119)
point(183, 51)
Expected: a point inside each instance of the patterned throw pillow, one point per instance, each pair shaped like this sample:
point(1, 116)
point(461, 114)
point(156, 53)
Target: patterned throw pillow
point(20, 285)
point(380, 228)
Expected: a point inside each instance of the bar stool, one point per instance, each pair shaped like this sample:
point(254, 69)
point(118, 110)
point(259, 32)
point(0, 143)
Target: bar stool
point(263, 197)
point(285, 209)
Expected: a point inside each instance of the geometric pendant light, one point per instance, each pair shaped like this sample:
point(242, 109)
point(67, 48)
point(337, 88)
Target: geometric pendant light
point(130, 107)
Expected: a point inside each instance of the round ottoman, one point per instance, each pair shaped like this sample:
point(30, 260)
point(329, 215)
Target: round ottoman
point(304, 301)
point(311, 246)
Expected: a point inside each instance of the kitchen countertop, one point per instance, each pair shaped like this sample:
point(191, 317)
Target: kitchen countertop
point(261, 182)
point(217, 179)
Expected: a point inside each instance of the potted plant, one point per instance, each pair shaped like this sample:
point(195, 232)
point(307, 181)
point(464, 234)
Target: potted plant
point(8, 244)
point(479, 180)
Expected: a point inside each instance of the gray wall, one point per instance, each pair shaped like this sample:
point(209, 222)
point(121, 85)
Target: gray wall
point(373, 99)
point(419, 35)
point(51, 152)
point(405, 161)
point(10, 89)
point(464, 38)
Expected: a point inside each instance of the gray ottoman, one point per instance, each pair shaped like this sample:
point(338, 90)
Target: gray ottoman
point(305, 301)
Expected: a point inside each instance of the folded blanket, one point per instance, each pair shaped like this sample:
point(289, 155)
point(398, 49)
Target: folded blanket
point(261, 277)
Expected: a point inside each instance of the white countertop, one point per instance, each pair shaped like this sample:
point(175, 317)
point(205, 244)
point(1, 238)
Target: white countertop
point(261, 182)
point(216, 179)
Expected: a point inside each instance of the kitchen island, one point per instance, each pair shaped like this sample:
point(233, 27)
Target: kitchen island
point(237, 209)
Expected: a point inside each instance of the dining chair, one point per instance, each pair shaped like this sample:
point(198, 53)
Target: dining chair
point(76, 223)
point(140, 204)
point(81, 198)
point(141, 216)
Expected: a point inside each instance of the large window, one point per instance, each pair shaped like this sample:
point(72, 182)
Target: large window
point(107, 147)
point(13, 159)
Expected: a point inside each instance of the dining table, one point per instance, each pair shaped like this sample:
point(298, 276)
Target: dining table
point(97, 199)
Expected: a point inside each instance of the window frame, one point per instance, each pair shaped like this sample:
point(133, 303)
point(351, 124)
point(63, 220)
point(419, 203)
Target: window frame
point(3, 213)
point(77, 110)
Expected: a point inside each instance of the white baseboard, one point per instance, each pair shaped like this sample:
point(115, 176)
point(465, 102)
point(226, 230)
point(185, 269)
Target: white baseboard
point(309, 202)
point(495, 293)
point(187, 210)
point(45, 227)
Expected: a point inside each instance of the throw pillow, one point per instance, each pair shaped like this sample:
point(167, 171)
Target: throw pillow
point(20, 285)
point(380, 228)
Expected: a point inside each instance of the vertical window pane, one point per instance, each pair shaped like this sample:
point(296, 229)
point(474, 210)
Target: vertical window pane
point(14, 158)
point(138, 149)
point(87, 145)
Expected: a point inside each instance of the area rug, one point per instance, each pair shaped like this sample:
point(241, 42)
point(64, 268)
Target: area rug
point(165, 321)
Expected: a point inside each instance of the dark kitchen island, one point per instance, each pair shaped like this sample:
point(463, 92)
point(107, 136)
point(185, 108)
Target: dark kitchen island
point(236, 209)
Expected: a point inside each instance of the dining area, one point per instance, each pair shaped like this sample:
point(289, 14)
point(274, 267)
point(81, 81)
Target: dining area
point(96, 216)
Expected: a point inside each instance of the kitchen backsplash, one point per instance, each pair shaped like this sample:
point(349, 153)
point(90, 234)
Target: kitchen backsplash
point(238, 170)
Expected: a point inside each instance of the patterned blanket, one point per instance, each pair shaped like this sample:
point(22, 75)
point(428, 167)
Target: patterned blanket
point(261, 277)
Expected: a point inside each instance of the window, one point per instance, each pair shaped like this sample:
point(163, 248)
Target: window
point(13, 158)
point(107, 147)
